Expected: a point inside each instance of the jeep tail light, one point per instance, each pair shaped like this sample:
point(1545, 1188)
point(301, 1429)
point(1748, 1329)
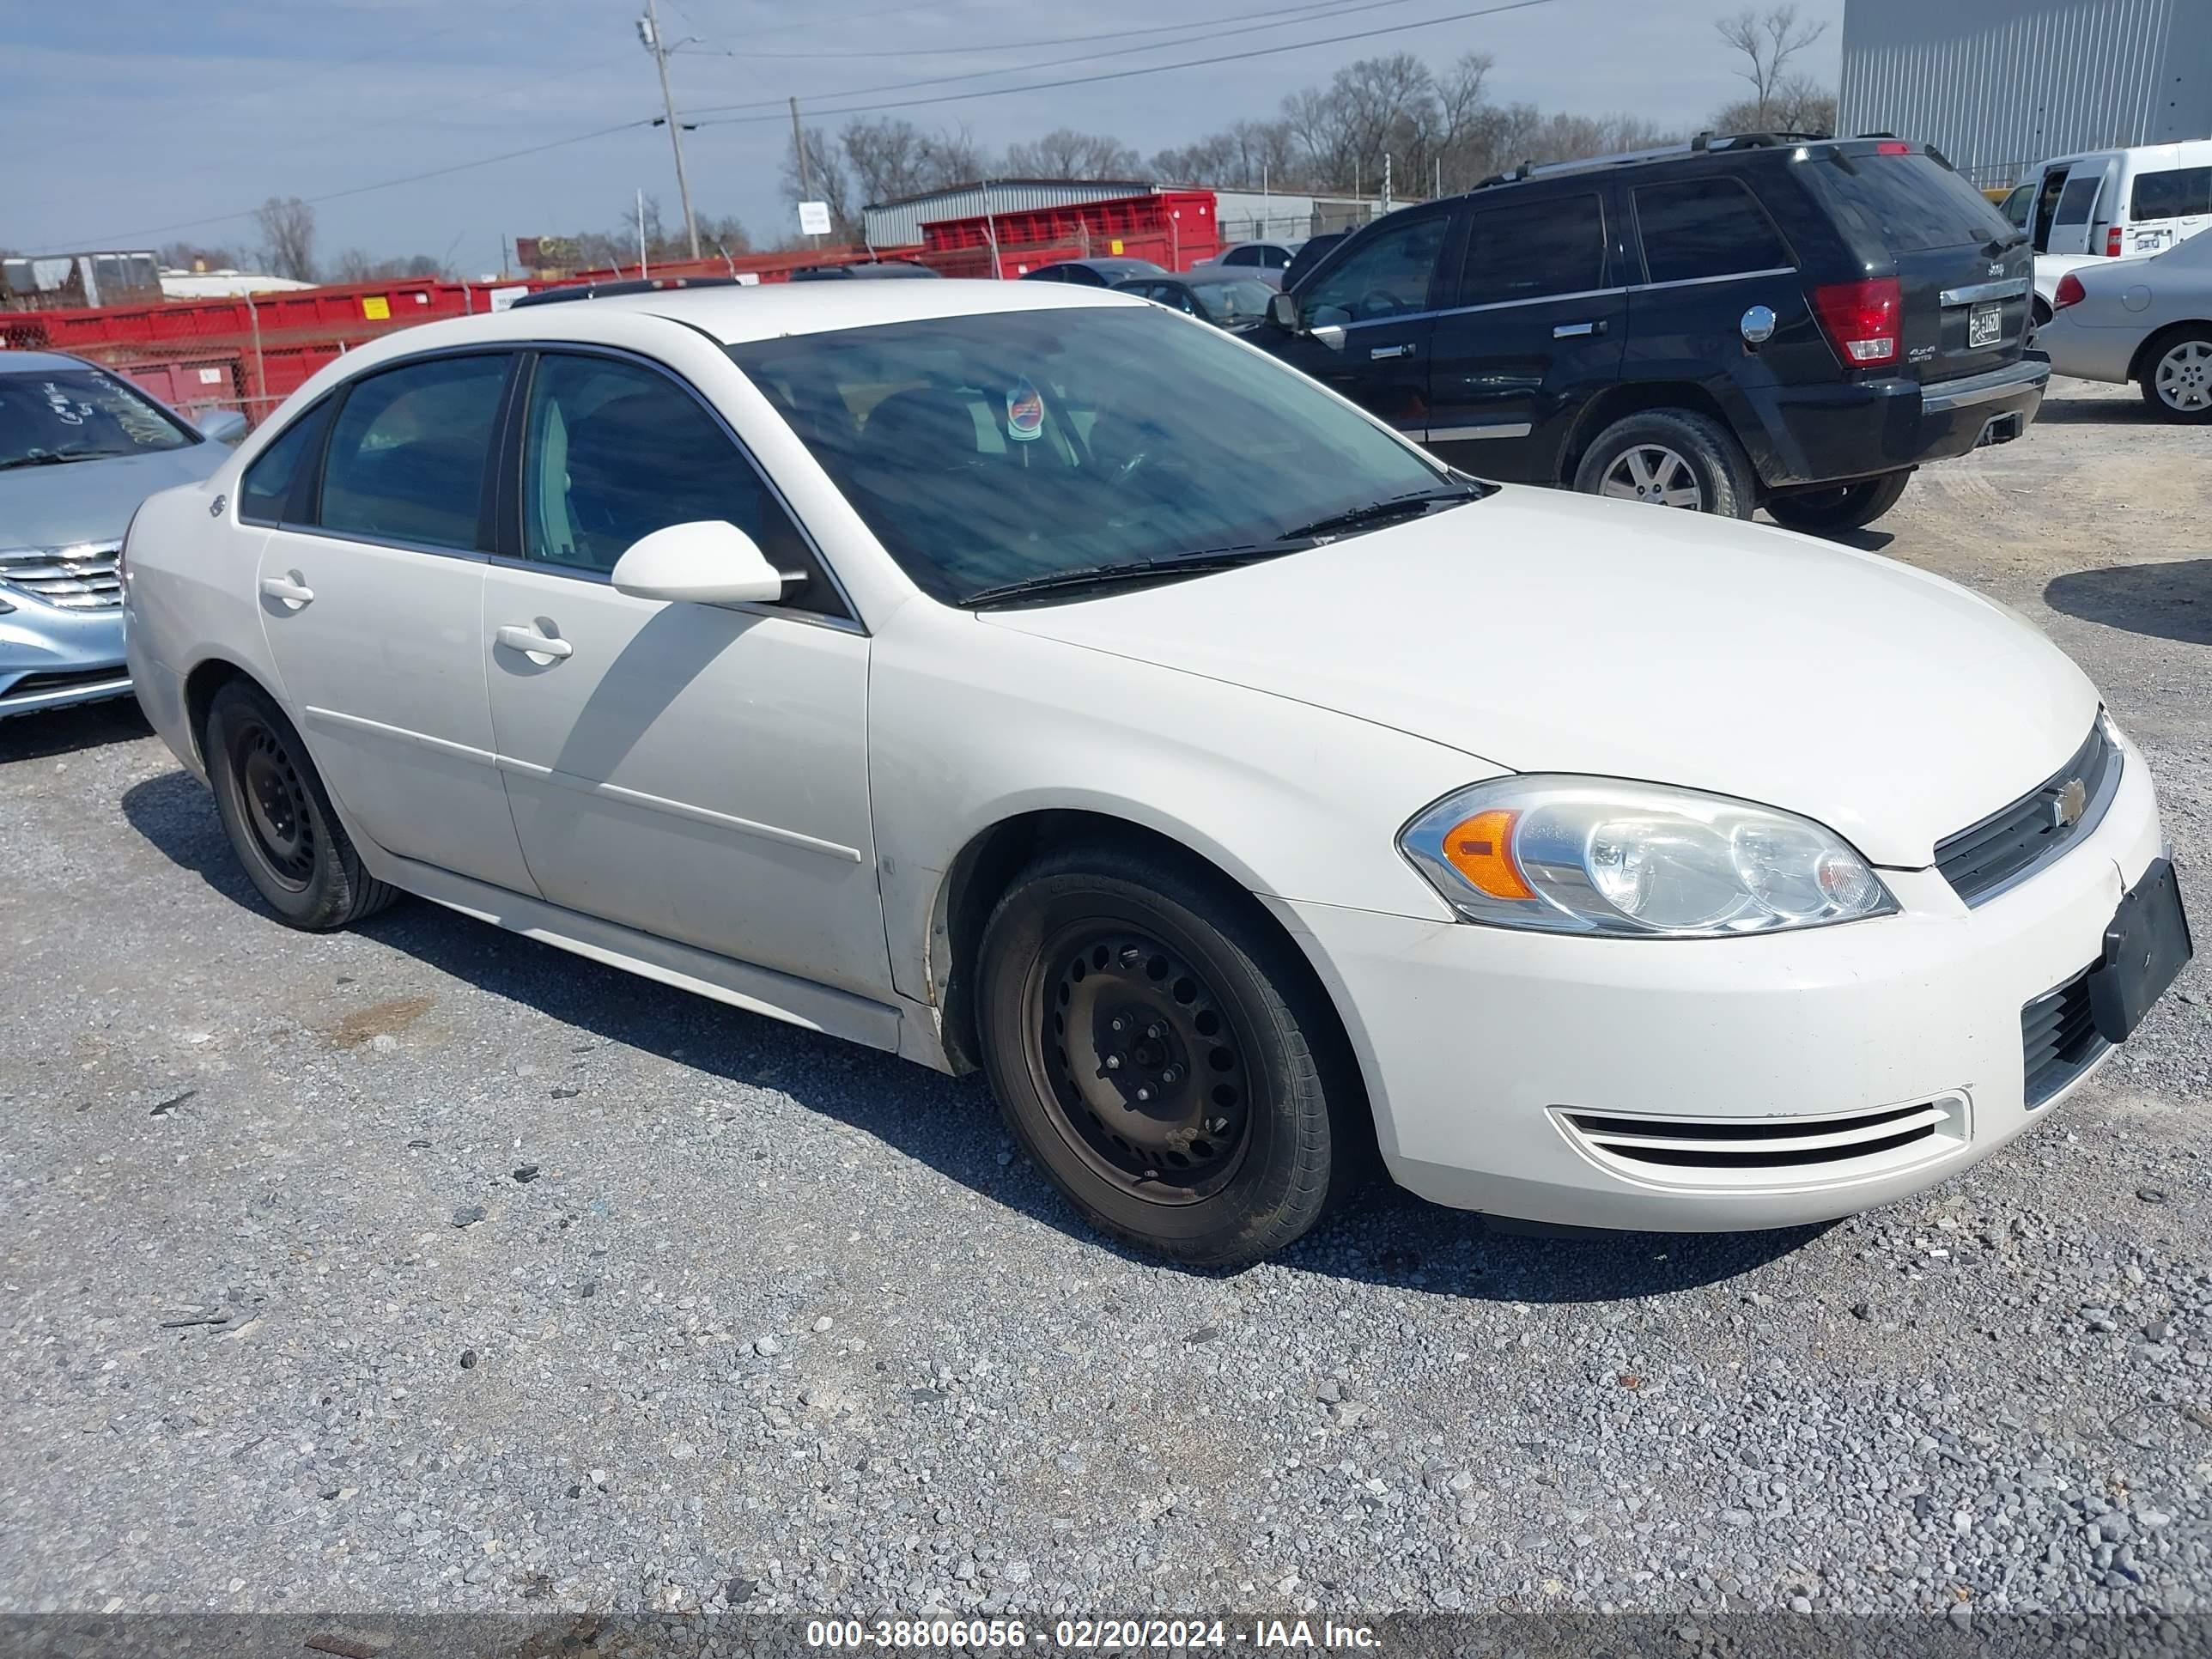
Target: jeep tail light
point(2069, 292)
point(2113, 243)
point(1864, 321)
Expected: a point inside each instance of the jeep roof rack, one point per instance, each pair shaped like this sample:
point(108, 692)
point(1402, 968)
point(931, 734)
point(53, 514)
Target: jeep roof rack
point(1703, 144)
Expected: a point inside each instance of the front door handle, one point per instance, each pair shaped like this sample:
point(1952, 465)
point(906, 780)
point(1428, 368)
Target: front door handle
point(1576, 330)
point(531, 643)
point(1381, 352)
point(289, 588)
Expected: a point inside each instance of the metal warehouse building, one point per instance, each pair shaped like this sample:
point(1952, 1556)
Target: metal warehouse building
point(1998, 85)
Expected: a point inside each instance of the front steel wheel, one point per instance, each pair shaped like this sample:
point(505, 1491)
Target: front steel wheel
point(1164, 1056)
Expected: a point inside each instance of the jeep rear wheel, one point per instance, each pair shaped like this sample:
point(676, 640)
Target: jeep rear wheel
point(1670, 458)
point(1839, 507)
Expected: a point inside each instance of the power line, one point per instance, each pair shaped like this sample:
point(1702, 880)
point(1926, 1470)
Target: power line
point(1331, 8)
point(1150, 68)
point(1283, 14)
point(113, 238)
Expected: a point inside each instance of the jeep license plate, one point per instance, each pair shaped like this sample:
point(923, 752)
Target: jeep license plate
point(1985, 324)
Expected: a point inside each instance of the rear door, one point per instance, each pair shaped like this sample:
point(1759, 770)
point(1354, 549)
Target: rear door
point(1535, 328)
point(2072, 223)
point(1963, 280)
point(1367, 314)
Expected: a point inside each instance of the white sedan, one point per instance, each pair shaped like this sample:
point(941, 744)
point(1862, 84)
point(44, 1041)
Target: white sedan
point(2149, 320)
point(1023, 678)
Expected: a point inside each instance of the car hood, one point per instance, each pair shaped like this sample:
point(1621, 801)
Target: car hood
point(92, 501)
point(1551, 633)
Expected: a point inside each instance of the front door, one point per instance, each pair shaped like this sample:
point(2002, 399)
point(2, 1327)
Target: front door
point(1534, 328)
point(693, 771)
point(1366, 317)
point(371, 587)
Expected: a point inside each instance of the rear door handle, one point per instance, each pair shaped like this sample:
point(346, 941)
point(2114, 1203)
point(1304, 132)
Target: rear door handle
point(289, 588)
point(531, 642)
point(1381, 352)
point(1576, 330)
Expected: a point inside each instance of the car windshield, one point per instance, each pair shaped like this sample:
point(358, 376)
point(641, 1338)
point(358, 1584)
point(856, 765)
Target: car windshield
point(1009, 447)
point(1234, 300)
point(50, 416)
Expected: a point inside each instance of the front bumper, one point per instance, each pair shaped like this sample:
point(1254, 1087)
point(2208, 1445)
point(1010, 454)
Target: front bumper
point(1506, 1069)
point(1835, 432)
point(51, 658)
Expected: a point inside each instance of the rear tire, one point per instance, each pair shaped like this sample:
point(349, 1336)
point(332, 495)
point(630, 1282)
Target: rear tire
point(1670, 458)
point(2176, 377)
point(1839, 507)
point(279, 817)
point(1171, 1064)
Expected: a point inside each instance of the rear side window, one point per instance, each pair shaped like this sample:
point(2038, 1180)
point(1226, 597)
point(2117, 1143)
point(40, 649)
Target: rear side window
point(1242, 255)
point(1706, 227)
point(266, 490)
point(2177, 193)
point(1907, 203)
point(1535, 251)
point(409, 450)
point(2079, 197)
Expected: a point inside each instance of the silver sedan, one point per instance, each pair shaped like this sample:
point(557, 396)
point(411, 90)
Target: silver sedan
point(2147, 320)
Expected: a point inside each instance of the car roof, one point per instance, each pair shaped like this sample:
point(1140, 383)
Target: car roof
point(39, 362)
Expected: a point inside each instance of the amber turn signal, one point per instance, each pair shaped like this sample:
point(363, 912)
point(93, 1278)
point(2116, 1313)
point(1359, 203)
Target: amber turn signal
point(1481, 849)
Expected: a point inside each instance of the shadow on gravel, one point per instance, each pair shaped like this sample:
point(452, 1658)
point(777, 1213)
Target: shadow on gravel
point(65, 731)
point(2096, 411)
point(2171, 601)
point(1388, 1237)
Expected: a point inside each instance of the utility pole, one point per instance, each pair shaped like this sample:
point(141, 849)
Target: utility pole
point(648, 30)
point(805, 177)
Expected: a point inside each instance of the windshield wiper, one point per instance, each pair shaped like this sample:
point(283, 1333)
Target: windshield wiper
point(1376, 514)
point(1132, 570)
point(59, 456)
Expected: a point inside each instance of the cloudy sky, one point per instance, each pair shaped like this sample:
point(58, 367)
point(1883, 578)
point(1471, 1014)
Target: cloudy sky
point(134, 123)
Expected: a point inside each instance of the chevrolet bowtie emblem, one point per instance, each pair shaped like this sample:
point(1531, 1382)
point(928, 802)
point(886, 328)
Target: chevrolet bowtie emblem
point(2073, 801)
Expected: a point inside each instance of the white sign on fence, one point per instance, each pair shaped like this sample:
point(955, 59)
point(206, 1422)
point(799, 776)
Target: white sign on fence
point(814, 218)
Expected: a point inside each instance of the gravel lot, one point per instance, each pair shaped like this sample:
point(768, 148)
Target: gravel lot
point(424, 1268)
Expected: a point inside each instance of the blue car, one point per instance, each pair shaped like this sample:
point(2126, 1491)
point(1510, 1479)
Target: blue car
point(79, 449)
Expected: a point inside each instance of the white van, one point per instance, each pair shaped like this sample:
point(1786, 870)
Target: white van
point(2116, 202)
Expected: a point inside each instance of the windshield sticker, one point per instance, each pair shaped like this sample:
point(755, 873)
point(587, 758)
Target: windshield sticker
point(1024, 413)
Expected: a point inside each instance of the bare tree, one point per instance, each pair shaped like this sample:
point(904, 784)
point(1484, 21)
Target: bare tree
point(1799, 104)
point(825, 175)
point(887, 156)
point(1767, 42)
point(287, 237)
point(1064, 152)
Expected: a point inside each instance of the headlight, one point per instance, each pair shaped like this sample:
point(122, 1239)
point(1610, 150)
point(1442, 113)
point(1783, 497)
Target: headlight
point(1595, 855)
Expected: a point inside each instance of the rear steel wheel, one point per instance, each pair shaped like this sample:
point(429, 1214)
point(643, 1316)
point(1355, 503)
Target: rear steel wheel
point(272, 800)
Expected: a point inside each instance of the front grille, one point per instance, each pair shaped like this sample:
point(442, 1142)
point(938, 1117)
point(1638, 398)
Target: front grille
point(1738, 1151)
point(1985, 859)
point(38, 685)
point(2058, 1038)
point(80, 578)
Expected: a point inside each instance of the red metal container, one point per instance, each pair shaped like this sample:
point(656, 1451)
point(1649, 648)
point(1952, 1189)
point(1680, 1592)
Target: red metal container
point(1176, 228)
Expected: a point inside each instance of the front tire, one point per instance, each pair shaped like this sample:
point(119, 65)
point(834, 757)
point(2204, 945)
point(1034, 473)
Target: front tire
point(279, 817)
point(1670, 458)
point(1167, 1060)
point(1839, 507)
point(2176, 377)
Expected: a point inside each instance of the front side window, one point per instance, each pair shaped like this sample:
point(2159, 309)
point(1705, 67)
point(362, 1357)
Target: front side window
point(1534, 250)
point(613, 450)
point(1388, 273)
point(49, 418)
point(990, 449)
point(2176, 193)
point(1242, 255)
point(407, 455)
point(1706, 227)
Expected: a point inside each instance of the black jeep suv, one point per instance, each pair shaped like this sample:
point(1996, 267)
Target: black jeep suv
point(1759, 320)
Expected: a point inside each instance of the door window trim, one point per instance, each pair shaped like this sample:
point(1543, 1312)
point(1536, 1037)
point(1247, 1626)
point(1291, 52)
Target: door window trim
point(509, 459)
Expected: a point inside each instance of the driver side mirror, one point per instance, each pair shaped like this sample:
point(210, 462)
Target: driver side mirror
point(1283, 311)
point(707, 562)
point(222, 426)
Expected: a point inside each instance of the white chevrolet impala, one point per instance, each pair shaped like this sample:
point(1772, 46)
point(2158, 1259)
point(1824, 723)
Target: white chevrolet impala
point(1025, 677)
